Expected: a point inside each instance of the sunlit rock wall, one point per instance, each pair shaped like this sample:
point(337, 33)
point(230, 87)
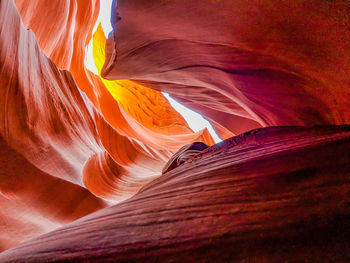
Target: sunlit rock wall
point(73, 142)
point(66, 142)
point(243, 64)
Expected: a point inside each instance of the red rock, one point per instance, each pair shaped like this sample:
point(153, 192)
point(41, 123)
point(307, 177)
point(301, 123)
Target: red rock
point(184, 154)
point(76, 20)
point(271, 195)
point(34, 202)
point(56, 130)
point(67, 148)
point(244, 64)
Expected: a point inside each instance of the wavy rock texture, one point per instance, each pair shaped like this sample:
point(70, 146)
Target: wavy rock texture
point(54, 136)
point(243, 64)
point(72, 142)
point(149, 123)
point(270, 195)
point(34, 202)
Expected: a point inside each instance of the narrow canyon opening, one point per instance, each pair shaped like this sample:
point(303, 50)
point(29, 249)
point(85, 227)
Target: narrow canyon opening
point(174, 131)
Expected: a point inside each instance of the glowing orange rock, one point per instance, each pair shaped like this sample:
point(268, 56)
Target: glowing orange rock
point(145, 105)
point(61, 28)
point(62, 141)
point(243, 64)
point(153, 114)
point(66, 143)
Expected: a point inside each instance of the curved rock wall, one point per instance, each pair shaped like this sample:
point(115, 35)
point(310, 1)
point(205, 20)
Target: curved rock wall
point(73, 142)
point(64, 126)
point(278, 194)
point(243, 64)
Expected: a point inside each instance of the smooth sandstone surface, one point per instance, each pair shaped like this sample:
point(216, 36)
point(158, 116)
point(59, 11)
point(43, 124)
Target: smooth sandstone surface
point(148, 117)
point(34, 202)
point(244, 64)
point(73, 142)
point(48, 119)
point(278, 194)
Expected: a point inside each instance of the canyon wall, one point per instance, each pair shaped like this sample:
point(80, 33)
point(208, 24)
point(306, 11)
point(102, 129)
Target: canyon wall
point(59, 121)
point(244, 64)
point(73, 142)
point(278, 194)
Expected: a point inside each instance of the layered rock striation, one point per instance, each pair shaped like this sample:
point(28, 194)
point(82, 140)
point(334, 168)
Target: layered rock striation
point(243, 64)
point(271, 195)
point(65, 127)
point(73, 142)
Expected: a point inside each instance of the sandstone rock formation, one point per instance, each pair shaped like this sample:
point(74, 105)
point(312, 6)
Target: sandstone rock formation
point(73, 142)
point(244, 64)
point(69, 132)
point(270, 195)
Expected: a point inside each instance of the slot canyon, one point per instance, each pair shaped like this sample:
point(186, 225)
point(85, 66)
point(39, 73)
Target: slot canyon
point(98, 166)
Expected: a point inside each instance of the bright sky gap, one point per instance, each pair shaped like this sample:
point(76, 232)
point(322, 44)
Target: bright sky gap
point(194, 119)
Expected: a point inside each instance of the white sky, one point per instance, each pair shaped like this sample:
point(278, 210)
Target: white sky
point(194, 119)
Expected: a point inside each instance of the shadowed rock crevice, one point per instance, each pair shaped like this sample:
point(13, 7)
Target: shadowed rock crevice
point(275, 73)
